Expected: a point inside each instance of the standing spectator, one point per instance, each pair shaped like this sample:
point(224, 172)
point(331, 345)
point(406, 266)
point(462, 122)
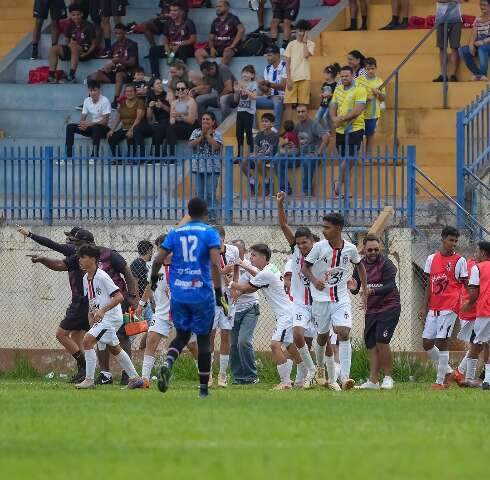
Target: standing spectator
point(93, 121)
point(242, 355)
point(179, 37)
point(273, 85)
point(245, 95)
point(479, 45)
point(183, 116)
point(328, 88)
point(80, 45)
point(448, 11)
point(355, 59)
point(115, 9)
point(57, 9)
point(130, 114)
point(139, 269)
point(156, 25)
point(354, 8)
point(298, 68)
point(224, 37)
point(216, 89)
point(375, 95)
point(284, 11)
point(207, 148)
point(346, 113)
point(382, 313)
point(124, 61)
point(399, 8)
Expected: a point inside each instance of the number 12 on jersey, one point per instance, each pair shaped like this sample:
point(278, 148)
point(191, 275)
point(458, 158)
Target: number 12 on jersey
point(189, 246)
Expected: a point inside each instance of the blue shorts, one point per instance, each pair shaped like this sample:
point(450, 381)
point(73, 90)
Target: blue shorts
point(370, 126)
point(193, 317)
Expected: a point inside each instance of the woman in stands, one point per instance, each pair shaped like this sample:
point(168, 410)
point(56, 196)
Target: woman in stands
point(179, 71)
point(355, 59)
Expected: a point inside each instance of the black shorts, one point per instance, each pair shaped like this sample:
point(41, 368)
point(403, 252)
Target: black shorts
point(453, 35)
point(380, 327)
point(76, 317)
point(55, 8)
point(220, 50)
point(354, 142)
point(66, 53)
point(282, 13)
point(112, 77)
point(113, 8)
point(158, 25)
point(93, 9)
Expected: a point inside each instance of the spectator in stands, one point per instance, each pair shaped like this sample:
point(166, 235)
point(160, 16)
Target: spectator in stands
point(179, 37)
point(207, 149)
point(93, 121)
point(80, 45)
point(179, 71)
point(41, 9)
point(156, 25)
point(140, 83)
point(139, 269)
point(157, 115)
point(448, 11)
point(130, 113)
point(115, 9)
point(479, 45)
point(224, 37)
point(399, 9)
point(288, 147)
point(328, 88)
point(183, 117)
point(216, 89)
point(245, 97)
point(355, 59)
point(124, 61)
point(298, 68)
point(346, 113)
point(354, 8)
point(284, 11)
point(273, 84)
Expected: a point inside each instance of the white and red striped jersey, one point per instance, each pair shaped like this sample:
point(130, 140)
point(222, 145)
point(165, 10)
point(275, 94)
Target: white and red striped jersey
point(99, 291)
point(300, 286)
point(161, 295)
point(230, 256)
point(332, 266)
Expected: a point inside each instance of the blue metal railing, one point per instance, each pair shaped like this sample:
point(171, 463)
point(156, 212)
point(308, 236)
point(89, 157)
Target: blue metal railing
point(44, 185)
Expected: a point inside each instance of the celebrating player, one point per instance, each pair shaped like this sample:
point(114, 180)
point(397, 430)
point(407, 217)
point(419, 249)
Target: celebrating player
point(326, 267)
point(195, 249)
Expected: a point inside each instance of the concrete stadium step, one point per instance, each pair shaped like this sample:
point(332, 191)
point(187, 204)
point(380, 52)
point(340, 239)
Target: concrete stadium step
point(20, 25)
point(14, 13)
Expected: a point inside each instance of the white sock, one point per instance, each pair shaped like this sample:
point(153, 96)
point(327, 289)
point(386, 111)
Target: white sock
point(212, 361)
point(434, 355)
point(337, 371)
point(345, 355)
point(330, 364)
point(462, 365)
point(197, 365)
point(284, 371)
point(442, 366)
point(126, 364)
point(306, 357)
point(223, 363)
point(487, 373)
point(90, 363)
point(471, 368)
point(320, 354)
point(148, 362)
point(301, 372)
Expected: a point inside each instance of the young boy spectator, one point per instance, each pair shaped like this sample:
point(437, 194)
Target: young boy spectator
point(328, 88)
point(115, 9)
point(284, 11)
point(289, 140)
point(80, 45)
point(224, 37)
point(353, 8)
point(140, 84)
point(298, 68)
point(399, 8)
point(57, 9)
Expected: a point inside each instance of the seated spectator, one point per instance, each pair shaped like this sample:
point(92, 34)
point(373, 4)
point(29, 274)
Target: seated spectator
point(245, 95)
point(183, 117)
point(354, 8)
point(130, 113)
point(328, 87)
point(273, 84)
point(207, 149)
point(179, 37)
point(479, 45)
point(449, 11)
point(216, 89)
point(93, 121)
point(288, 147)
point(157, 116)
point(80, 45)
point(57, 9)
point(355, 59)
point(399, 8)
point(284, 11)
point(156, 25)
point(224, 37)
point(179, 71)
point(107, 9)
point(121, 68)
point(140, 84)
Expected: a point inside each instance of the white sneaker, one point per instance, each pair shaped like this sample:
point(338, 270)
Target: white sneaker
point(222, 380)
point(309, 380)
point(282, 386)
point(368, 386)
point(320, 376)
point(387, 384)
point(334, 386)
point(86, 384)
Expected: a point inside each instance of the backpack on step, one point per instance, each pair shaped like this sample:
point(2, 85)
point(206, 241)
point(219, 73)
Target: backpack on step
point(255, 44)
point(40, 75)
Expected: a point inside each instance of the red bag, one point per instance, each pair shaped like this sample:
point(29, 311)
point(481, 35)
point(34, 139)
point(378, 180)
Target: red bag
point(313, 22)
point(331, 3)
point(199, 45)
point(139, 28)
point(40, 75)
point(416, 22)
point(195, 3)
point(468, 21)
point(430, 21)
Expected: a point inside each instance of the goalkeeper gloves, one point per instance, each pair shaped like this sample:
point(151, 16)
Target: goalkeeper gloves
point(221, 300)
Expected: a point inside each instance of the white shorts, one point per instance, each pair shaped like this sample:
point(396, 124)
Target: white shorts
point(329, 314)
point(161, 324)
point(105, 333)
point(482, 330)
point(222, 321)
point(310, 332)
point(284, 330)
point(466, 332)
point(439, 326)
point(333, 338)
point(302, 316)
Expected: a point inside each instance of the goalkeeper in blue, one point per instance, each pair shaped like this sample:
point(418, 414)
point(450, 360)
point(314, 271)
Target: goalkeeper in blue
point(195, 289)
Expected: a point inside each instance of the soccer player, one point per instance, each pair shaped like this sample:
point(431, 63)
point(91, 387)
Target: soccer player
point(105, 317)
point(479, 296)
point(327, 268)
point(195, 249)
point(446, 272)
point(269, 279)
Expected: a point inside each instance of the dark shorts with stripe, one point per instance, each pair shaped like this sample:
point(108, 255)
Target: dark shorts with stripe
point(380, 327)
point(76, 317)
point(113, 8)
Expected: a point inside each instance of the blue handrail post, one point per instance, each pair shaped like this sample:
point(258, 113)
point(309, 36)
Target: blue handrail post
point(460, 167)
point(48, 161)
point(228, 200)
point(411, 187)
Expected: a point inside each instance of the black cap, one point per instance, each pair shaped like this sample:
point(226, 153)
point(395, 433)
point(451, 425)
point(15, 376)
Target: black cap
point(272, 49)
point(72, 232)
point(84, 236)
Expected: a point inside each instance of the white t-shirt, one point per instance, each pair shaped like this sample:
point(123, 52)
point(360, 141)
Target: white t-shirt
point(161, 295)
point(230, 256)
point(300, 286)
point(245, 301)
point(99, 291)
point(474, 276)
point(96, 111)
point(269, 279)
point(332, 265)
point(275, 75)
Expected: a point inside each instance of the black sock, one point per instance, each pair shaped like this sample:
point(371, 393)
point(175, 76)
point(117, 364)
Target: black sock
point(204, 366)
point(172, 356)
point(364, 22)
point(107, 43)
point(395, 19)
point(80, 359)
point(35, 47)
point(72, 72)
point(353, 23)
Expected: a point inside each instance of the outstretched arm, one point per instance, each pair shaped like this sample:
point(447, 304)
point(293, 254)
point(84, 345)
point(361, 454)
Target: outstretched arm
point(63, 248)
point(283, 221)
point(51, 263)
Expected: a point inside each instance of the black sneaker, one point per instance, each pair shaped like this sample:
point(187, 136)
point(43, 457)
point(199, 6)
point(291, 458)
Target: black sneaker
point(105, 54)
point(51, 79)
point(79, 377)
point(390, 26)
point(71, 79)
point(453, 78)
point(124, 379)
point(103, 379)
point(164, 379)
point(203, 393)
point(482, 375)
point(34, 53)
point(403, 25)
point(440, 78)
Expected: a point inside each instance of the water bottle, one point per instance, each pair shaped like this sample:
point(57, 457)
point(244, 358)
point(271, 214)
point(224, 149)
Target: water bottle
point(170, 58)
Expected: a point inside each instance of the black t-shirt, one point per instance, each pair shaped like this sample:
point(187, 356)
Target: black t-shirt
point(224, 31)
point(325, 89)
point(160, 114)
point(138, 85)
point(84, 34)
point(126, 50)
point(179, 33)
point(140, 272)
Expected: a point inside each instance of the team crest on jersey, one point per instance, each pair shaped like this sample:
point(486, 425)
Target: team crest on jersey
point(345, 260)
point(385, 333)
point(449, 266)
point(346, 315)
point(98, 291)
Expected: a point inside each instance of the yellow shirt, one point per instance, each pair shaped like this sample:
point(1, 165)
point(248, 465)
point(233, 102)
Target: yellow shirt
point(372, 106)
point(346, 100)
point(299, 65)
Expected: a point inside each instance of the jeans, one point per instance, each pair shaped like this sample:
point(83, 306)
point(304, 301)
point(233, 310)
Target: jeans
point(308, 164)
point(242, 355)
point(275, 102)
point(224, 103)
point(321, 113)
point(96, 132)
point(206, 185)
point(482, 52)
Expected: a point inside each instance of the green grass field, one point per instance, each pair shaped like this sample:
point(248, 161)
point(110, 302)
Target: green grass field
point(49, 430)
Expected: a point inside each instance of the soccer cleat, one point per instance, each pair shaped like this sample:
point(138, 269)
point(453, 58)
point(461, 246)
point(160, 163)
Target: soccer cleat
point(78, 377)
point(203, 393)
point(348, 384)
point(136, 382)
point(334, 386)
point(222, 380)
point(387, 384)
point(146, 383)
point(482, 375)
point(282, 386)
point(448, 378)
point(472, 383)
point(368, 386)
point(164, 379)
point(309, 380)
point(320, 376)
point(103, 379)
point(439, 386)
point(485, 386)
point(458, 377)
point(85, 385)
point(124, 379)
